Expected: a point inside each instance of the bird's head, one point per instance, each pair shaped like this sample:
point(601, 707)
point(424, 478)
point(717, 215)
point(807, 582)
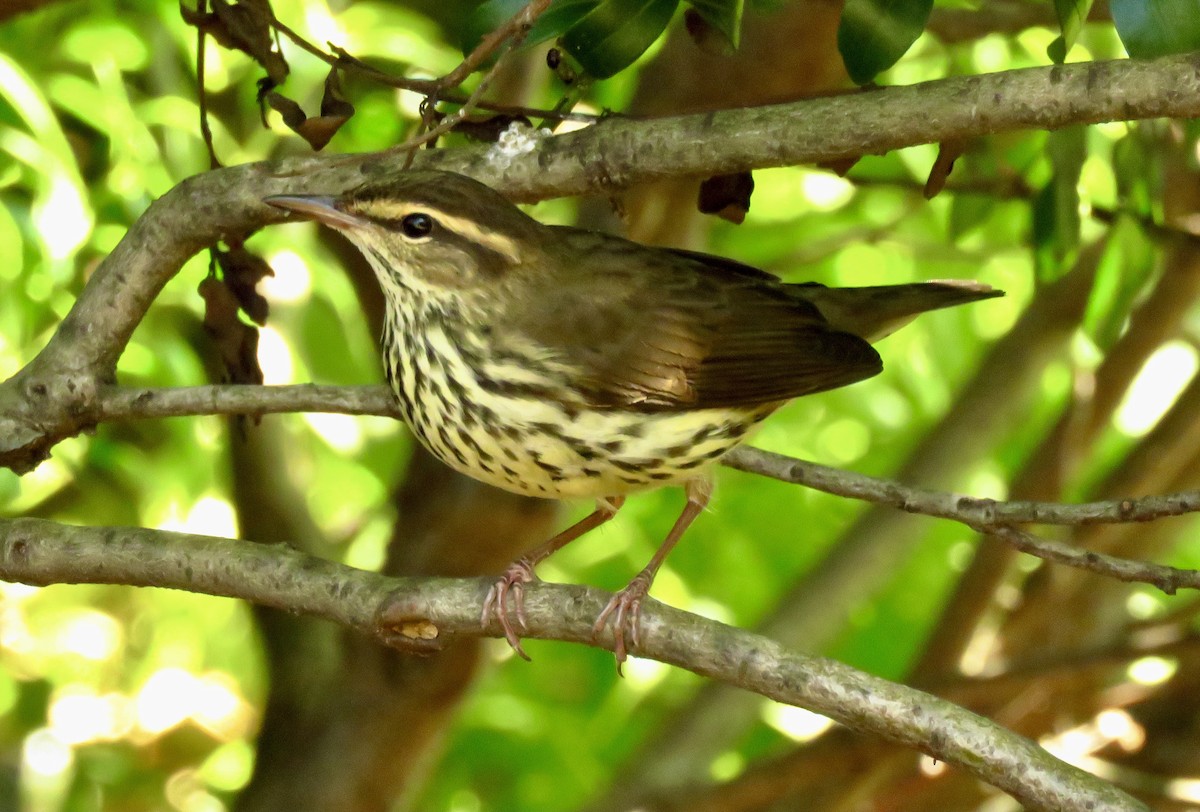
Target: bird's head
point(428, 232)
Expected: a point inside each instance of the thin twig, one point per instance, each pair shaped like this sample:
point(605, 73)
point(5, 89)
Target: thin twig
point(971, 510)
point(427, 134)
point(514, 31)
point(1169, 579)
point(516, 28)
point(128, 403)
point(983, 515)
point(202, 92)
point(343, 60)
point(996, 518)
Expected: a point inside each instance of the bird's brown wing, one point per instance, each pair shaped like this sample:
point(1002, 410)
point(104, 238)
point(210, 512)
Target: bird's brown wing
point(659, 331)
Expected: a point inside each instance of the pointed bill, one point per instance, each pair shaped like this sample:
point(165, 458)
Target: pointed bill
point(321, 208)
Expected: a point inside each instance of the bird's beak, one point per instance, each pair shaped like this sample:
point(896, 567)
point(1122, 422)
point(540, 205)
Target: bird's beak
point(322, 208)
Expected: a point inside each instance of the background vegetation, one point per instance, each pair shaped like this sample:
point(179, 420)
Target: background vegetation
point(1080, 384)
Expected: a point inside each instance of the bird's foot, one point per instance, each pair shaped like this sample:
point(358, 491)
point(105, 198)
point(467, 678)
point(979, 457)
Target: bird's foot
point(625, 609)
point(511, 584)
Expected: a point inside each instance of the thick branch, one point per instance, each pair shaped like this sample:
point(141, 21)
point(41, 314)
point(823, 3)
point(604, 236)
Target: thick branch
point(53, 397)
point(420, 614)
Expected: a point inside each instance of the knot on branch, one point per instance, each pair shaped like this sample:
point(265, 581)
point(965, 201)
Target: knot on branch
point(39, 409)
point(404, 626)
point(976, 511)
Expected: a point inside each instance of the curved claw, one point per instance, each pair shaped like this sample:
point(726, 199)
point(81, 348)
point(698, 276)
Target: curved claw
point(519, 573)
point(627, 604)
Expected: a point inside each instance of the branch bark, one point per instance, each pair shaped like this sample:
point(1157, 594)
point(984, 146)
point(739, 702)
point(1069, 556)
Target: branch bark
point(67, 388)
point(122, 403)
point(424, 614)
point(987, 516)
point(52, 398)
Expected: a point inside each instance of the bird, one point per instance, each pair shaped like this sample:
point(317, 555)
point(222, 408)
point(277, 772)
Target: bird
point(565, 363)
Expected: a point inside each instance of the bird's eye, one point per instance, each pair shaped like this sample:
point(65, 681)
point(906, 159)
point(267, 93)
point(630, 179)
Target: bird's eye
point(416, 225)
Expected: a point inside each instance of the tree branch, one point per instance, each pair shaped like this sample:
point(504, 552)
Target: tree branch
point(53, 397)
point(122, 403)
point(423, 614)
point(129, 403)
point(983, 515)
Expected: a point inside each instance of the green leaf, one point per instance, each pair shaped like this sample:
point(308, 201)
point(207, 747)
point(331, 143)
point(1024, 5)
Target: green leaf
point(1137, 167)
point(615, 33)
point(1056, 220)
point(561, 15)
point(1128, 263)
point(723, 15)
point(559, 18)
point(1150, 28)
point(874, 34)
point(968, 212)
point(1071, 16)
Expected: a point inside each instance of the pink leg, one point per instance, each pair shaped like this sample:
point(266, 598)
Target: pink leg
point(627, 603)
point(520, 572)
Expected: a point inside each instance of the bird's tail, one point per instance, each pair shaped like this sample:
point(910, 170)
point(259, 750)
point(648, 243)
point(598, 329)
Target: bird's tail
point(875, 312)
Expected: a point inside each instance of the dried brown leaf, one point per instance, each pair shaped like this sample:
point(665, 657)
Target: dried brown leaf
point(241, 271)
point(292, 113)
point(318, 130)
point(727, 196)
point(948, 153)
point(245, 26)
point(236, 341)
point(333, 101)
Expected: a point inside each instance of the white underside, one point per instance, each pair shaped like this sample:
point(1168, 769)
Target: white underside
point(642, 437)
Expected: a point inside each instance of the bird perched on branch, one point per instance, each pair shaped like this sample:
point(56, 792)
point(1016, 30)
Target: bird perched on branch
point(564, 363)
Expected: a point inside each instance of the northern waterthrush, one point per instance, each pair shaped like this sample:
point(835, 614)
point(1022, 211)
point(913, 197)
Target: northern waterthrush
point(564, 363)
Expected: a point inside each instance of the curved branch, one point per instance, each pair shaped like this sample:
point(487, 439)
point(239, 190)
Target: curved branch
point(422, 614)
point(52, 398)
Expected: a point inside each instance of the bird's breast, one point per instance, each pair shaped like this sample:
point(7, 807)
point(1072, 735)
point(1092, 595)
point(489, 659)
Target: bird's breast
point(510, 418)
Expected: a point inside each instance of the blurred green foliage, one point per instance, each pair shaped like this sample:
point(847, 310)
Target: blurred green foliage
point(115, 698)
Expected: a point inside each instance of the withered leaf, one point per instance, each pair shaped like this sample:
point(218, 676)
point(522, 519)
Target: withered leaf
point(333, 102)
point(948, 152)
point(318, 130)
point(236, 341)
point(727, 196)
point(241, 271)
point(244, 25)
point(292, 113)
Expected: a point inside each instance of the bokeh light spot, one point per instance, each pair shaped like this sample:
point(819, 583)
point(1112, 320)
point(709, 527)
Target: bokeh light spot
point(797, 724)
point(1156, 388)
